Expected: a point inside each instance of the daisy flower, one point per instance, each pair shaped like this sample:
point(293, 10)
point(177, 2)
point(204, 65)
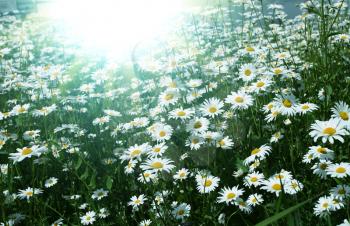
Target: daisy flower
point(342, 111)
point(225, 143)
point(272, 116)
point(261, 85)
point(31, 134)
point(145, 223)
point(180, 113)
point(147, 176)
point(212, 107)
point(255, 199)
point(157, 150)
point(168, 97)
point(158, 165)
point(286, 104)
point(258, 153)
point(328, 130)
point(320, 168)
point(229, 195)
point(345, 223)
point(20, 109)
point(306, 108)
point(181, 211)
point(100, 121)
point(162, 132)
point(341, 191)
point(28, 193)
point(272, 185)
point(247, 72)
point(27, 152)
point(88, 218)
point(284, 176)
point(51, 182)
point(181, 174)
point(103, 213)
point(243, 206)
point(99, 194)
point(321, 152)
point(254, 178)
point(194, 142)
point(112, 113)
point(198, 125)
point(137, 201)
point(239, 100)
point(44, 111)
point(206, 184)
point(129, 168)
point(293, 186)
point(136, 151)
point(276, 137)
point(323, 206)
point(339, 170)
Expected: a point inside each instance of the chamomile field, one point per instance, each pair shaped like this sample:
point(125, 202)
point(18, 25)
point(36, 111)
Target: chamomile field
point(236, 113)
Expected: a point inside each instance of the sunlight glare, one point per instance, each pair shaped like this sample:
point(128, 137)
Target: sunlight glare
point(115, 26)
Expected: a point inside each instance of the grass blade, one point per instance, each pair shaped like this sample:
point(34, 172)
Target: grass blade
point(281, 214)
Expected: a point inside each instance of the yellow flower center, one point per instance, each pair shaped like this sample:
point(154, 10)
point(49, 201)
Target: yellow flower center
point(239, 99)
point(21, 110)
point(277, 71)
point(329, 131)
point(341, 191)
point(231, 195)
point(305, 107)
point(157, 165)
point(287, 103)
point(26, 151)
point(169, 96)
point(249, 49)
point(253, 179)
point(157, 149)
point(146, 174)
point(247, 72)
point(222, 142)
point(182, 174)
point(322, 150)
point(29, 193)
point(195, 141)
point(213, 109)
point(162, 133)
point(172, 85)
point(325, 205)
point(135, 152)
point(197, 125)
point(255, 151)
point(276, 187)
point(181, 113)
point(181, 212)
point(260, 84)
point(269, 106)
point(207, 183)
point(137, 201)
point(344, 115)
point(340, 169)
point(323, 166)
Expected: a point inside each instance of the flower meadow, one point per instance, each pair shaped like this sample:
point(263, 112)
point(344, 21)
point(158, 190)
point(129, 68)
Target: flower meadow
point(241, 116)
